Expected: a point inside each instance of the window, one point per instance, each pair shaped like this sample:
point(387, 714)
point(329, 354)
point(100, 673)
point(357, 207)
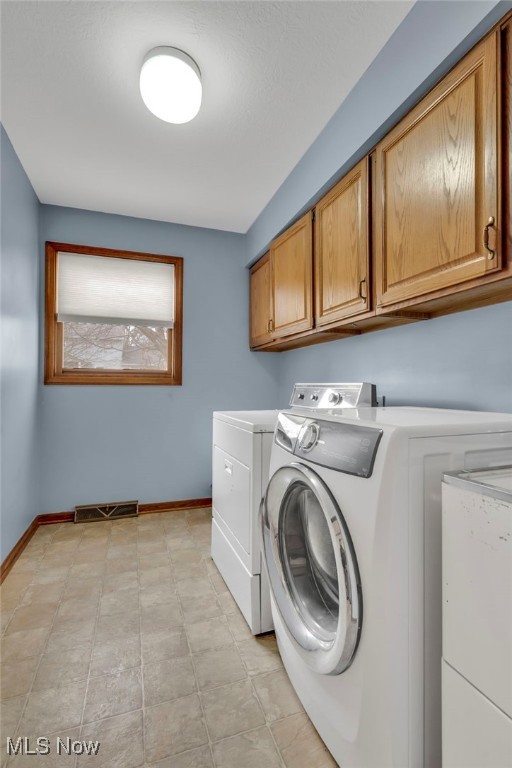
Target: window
point(112, 317)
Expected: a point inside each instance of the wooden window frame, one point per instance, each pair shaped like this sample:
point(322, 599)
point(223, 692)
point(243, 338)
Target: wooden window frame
point(53, 371)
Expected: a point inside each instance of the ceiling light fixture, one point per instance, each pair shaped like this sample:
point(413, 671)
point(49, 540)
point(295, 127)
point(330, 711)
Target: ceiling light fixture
point(170, 85)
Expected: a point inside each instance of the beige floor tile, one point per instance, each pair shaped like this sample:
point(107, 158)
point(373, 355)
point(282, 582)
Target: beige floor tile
point(218, 667)
point(122, 552)
point(213, 633)
point(149, 562)
point(168, 679)
point(52, 560)
point(10, 713)
point(227, 604)
point(255, 749)
point(154, 597)
point(299, 743)
point(276, 695)
point(56, 758)
point(239, 627)
point(120, 625)
point(165, 644)
point(23, 644)
point(16, 677)
point(43, 593)
point(120, 566)
point(145, 548)
point(70, 533)
point(232, 709)
point(32, 617)
point(218, 582)
point(191, 588)
point(6, 611)
point(118, 581)
point(26, 564)
point(71, 638)
point(94, 554)
point(177, 545)
point(120, 602)
point(86, 570)
point(59, 668)
point(156, 594)
point(58, 548)
point(74, 624)
point(112, 656)
point(79, 587)
point(186, 555)
point(73, 607)
point(177, 526)
point(121, 742)
point(195, 758)
point(193, 570)
point(53, 710)
point(200, 608)
point(53, 575)
point(161, 574)
point(260, 654)
point(174, 727)
point(165, 616)
point(113, 695)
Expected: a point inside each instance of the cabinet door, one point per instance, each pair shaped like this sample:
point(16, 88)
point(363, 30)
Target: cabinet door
point(341, 249)
point(507, 134)
point(260, 314)
point(437, 173)
point(291, 256)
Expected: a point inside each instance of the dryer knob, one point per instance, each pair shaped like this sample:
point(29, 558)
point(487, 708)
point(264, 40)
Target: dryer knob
point(335, 398)
point(309, 437)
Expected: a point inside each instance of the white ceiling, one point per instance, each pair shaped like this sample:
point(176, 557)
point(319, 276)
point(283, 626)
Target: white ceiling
point(273, 75)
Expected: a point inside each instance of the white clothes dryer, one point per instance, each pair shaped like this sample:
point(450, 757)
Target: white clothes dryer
point(351, 524)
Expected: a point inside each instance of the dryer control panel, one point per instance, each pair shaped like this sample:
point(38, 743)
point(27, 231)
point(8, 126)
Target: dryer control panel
point(348, 448)
point(332, 396)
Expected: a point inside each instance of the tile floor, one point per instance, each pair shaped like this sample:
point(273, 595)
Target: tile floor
point(125, 633)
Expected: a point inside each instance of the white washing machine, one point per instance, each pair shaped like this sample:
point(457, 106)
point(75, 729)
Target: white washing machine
point(351, 525)
point(242, 441)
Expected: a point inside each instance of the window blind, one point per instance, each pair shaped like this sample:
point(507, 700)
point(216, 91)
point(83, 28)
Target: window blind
point(103, 289)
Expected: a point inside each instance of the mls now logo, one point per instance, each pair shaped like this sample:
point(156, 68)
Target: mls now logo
point(42, 746)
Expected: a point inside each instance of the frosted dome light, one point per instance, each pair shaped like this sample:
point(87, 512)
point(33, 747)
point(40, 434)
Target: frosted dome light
point(170, 85)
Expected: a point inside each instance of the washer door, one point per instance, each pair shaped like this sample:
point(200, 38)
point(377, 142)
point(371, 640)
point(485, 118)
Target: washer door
point(312, 568)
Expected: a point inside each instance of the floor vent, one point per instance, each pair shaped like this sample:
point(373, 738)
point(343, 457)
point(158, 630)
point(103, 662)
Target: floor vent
point(91, 513)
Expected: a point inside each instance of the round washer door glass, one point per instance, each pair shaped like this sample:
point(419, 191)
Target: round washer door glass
point(312, 568)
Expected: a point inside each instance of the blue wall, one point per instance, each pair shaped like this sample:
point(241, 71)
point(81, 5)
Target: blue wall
point(462, 360)
point(19, 416)
point(154, 443)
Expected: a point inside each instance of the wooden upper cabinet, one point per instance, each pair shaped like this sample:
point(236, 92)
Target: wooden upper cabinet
point(291, 257)
point(437, 186)
point(260, 309)
point(342, 258)
point(507, 135)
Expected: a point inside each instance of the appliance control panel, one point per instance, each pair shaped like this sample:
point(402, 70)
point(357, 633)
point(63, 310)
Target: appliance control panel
point(330, 396)
point(348, 448)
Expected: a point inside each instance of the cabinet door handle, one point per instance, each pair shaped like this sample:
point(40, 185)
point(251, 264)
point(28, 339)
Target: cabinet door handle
point(490, 253)
point(270, 326)
point(361, 283)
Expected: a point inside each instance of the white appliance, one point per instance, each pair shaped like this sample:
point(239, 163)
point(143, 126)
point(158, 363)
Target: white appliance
point(351, 525)
point(242, 441)
point(477, 619)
